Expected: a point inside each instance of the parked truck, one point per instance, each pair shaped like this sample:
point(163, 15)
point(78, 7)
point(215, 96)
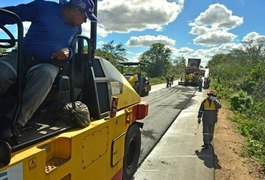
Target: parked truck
point(192, 73)
point(50, 148)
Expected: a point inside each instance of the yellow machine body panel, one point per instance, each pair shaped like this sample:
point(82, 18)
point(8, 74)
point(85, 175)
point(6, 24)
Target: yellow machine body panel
point(93, 152)
point(132, 79)
point(75, 154)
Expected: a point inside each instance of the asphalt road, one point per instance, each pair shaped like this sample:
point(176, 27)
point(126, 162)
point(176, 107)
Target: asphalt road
point(165, 104)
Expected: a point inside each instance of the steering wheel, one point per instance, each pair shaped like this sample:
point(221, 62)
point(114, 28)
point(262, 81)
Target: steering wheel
point(8, 42)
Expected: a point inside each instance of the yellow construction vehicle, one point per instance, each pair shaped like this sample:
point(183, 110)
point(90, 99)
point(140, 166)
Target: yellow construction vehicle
point(192, 73)
point(53, 149)
point(138, 81)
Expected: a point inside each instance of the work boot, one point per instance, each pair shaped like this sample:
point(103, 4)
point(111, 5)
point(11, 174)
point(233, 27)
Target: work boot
point(17, 130)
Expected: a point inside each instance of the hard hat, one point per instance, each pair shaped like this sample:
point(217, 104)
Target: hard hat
point(87, 6)
point(212, 93)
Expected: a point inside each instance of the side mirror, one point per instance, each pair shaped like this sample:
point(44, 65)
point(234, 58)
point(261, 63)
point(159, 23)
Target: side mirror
point(5, 153)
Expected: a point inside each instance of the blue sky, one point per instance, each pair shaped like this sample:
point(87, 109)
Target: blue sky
point(190, 28)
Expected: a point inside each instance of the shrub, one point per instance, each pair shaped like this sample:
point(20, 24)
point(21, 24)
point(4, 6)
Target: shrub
point(240, 101)
point(157, 80)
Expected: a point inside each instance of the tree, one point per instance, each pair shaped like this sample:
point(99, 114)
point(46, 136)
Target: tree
point(255, 49)
point(108, 56)
point(117, 51)
point(179, 65)
point(159, 59)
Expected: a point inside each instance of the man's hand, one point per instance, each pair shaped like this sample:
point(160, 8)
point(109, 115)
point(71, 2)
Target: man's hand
point(61, 55)
point(199, 120)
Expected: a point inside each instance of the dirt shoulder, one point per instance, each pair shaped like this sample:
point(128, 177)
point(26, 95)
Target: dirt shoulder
point(229, 145)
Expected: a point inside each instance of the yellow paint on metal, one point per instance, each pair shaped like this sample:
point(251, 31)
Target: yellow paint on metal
point(129, 96)
point(94, 152)
point(117, 149)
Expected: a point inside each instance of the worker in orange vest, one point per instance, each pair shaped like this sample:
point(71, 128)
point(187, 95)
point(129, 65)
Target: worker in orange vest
point(208, 115)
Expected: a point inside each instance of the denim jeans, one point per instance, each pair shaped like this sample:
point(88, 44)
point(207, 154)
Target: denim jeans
point(39, 80)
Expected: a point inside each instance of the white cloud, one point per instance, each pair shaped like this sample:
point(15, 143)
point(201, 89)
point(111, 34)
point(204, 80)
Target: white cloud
point(136, 57)
point(207, 54)
point(226, 48)
point(212, 26)
point(214, 38)
point(197, 30)
point(26, 25)
point(253, 39)
point(217, 15)
point(146, 41)
point(137, 15)
point(204, 54)
point(253, 36)
point(100, 30)
point(184, 50)
point(181, 52)
point(86, 29)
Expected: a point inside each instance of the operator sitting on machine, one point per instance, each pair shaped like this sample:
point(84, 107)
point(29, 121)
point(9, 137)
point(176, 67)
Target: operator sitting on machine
point(47, 42)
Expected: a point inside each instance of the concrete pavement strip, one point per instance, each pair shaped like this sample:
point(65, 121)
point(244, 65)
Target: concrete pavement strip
point(179, 155)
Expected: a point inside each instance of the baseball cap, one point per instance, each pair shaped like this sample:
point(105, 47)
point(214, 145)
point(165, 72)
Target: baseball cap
point(87, 6)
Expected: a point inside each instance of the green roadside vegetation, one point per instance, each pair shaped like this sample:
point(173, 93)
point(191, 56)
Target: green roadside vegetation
point(158, 80)
point(2, 50)
point(158, 60)
point(239, 78)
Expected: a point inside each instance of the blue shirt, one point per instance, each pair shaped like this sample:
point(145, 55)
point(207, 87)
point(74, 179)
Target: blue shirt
point(48, 31)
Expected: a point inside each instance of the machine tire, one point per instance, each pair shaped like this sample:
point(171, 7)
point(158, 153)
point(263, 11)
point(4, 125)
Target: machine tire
point(131, 152)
